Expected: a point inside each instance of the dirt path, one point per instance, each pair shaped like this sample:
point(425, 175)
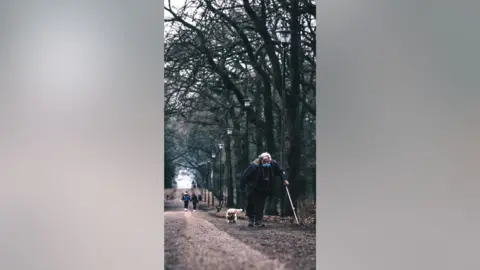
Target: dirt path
point(198, 240)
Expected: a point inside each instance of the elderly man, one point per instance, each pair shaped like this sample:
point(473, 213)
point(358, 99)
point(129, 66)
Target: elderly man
point(257, 181)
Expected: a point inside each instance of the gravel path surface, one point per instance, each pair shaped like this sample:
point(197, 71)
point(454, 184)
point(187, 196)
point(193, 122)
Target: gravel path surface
point(199, 240)
point(191, 242)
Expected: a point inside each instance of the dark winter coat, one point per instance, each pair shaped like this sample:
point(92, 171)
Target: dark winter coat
point(194, 199)
point(252, 179)
point(186, 198)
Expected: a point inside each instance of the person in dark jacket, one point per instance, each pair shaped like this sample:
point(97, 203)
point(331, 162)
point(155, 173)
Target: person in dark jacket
point(194, 201)
point(258, 182)
point(186, 199)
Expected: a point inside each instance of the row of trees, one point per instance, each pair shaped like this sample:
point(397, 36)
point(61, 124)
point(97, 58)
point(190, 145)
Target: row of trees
point(170, 168)
point(220, 54)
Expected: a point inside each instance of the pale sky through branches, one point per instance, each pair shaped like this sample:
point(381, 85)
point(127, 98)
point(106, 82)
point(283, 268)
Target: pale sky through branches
point(175, 5)
point(184, 179)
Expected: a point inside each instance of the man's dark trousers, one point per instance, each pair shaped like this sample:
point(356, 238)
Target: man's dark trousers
point(256, 204)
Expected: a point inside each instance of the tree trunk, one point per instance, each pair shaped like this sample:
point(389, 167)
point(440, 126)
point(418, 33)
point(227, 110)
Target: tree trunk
point(268, 112)
point(237, 162)
point(214, 185)
point(258, 109)
point(268, 134)
point(293, 101)
point(304, 163)
point(314, 183)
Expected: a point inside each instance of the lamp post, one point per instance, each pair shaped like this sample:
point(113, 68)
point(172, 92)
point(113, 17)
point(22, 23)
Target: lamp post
point(208, 181)
point(247, 145)
point(212, 177)
point(230, 184)
point(247, 106)
point(283, 35)
point(220, 171)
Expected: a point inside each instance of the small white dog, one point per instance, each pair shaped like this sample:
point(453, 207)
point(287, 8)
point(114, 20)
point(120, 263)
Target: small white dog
point(231, 215)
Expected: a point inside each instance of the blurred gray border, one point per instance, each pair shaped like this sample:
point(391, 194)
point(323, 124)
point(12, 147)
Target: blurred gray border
point(162, 149)
point(81, 159)
point(397, 135)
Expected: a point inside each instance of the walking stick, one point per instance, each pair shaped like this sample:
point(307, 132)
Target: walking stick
point(291, 203)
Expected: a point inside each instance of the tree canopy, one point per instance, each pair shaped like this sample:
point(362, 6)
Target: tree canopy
point(218, 54)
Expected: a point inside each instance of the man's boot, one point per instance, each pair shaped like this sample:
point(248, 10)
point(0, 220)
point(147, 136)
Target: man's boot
point(251, 221)
point(258, 223)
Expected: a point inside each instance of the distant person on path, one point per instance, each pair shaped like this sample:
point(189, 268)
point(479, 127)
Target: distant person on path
point(220, 197)
point(194, 201)
point(200, 197)
point(186, 199)
point(258, 182)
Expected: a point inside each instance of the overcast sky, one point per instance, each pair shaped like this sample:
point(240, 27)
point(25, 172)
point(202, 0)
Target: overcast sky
point(184, 180)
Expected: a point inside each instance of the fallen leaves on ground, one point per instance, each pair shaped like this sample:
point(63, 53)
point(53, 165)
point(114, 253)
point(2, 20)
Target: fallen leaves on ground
point(292, 244)
point(308, 219)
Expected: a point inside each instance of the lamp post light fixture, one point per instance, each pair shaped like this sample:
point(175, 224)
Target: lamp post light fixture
point(247, 102)
point(214, 155)
point(220, 146)
point(229, 131)
point(283, 35)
